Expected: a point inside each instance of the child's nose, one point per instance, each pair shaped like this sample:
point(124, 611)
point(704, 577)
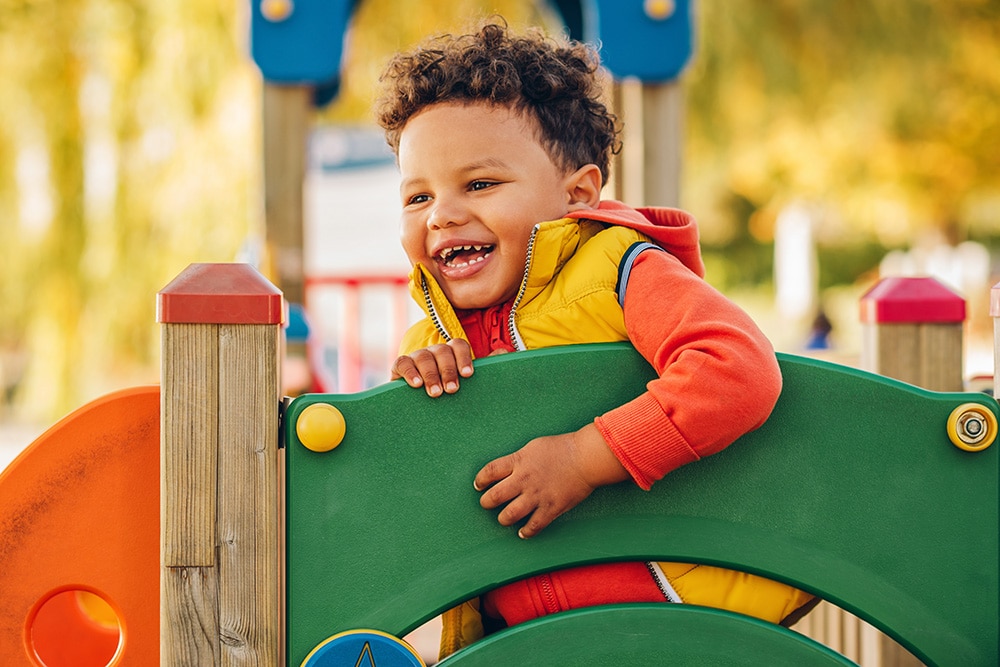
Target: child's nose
point(446, 213)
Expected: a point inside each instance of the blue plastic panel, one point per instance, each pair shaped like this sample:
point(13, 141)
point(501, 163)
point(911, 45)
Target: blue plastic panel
point(299, 41)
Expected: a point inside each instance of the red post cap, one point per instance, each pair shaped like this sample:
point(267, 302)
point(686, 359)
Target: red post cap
point(219, 294)
point(918, 300)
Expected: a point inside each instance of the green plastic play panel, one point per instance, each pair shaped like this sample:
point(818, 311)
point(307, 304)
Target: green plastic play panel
point(640, 635)
point(852, 490)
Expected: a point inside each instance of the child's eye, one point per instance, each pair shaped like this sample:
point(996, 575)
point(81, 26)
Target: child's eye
point(417, 199)
point(480, 185)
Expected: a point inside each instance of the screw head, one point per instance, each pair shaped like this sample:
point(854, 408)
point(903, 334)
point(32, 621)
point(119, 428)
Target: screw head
point(972, 427)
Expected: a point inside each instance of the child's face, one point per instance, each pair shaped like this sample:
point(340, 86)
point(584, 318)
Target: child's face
point(475, 180)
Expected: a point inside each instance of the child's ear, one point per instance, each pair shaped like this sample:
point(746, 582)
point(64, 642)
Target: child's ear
point(583, 188)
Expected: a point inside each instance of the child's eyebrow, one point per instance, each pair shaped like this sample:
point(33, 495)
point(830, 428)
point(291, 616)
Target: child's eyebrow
point(487, 163)
point(409, 182)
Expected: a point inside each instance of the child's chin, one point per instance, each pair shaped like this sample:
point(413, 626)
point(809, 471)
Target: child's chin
point(470, 305)
point(470, 301)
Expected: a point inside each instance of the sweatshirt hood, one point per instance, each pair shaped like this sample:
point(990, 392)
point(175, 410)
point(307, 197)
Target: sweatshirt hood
point(672, 229)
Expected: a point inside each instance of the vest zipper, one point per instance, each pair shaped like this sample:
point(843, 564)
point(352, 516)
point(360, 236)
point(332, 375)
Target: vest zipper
point(669, 594)
point(495, 327)
point(431, 310)
point(515, 335)
point(549, 599)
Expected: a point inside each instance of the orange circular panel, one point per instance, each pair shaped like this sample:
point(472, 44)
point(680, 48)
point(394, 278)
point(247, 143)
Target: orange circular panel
point(79, 534)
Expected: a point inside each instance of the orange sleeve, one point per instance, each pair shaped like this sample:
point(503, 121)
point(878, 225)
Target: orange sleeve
point(718, 375)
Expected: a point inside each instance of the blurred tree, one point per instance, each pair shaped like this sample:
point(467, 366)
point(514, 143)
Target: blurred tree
point(127, 151)
point(884, 112)
point(49, 127)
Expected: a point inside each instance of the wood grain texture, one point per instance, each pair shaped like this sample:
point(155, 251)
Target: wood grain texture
point(249, 583)
point(189, 612)
point(220, 576)
point(188, 449)
point(925, 355)
point(941, 359)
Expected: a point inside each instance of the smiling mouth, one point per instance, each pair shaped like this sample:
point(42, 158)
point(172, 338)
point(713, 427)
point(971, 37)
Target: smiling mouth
point(461, 256)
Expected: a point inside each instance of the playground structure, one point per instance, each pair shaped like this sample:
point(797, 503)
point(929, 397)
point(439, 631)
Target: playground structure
point(190, 524)
point(213, 527)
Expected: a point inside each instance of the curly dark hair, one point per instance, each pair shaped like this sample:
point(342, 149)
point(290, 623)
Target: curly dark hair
point(554, 82)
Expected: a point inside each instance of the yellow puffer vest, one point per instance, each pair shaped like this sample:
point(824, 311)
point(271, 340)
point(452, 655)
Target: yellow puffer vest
point(569, 294)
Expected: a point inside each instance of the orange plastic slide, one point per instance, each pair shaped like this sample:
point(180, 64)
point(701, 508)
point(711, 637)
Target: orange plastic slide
point(79, 539)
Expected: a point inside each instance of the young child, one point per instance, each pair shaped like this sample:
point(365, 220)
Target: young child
point(503, 146)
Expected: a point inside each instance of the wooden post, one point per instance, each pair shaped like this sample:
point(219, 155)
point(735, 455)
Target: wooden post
point(647, 172)
point(662, 123)
point(286, 127)
point(219, 514)
point(912, 331)
point(995, 314)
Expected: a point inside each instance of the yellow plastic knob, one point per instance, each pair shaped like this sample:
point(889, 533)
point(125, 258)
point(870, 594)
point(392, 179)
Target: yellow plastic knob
point(276, 11)
point(659, 10)
point(320, 427)
point(972, 427)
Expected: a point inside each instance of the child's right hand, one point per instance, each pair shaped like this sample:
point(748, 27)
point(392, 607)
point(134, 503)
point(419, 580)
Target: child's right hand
point(436, 368)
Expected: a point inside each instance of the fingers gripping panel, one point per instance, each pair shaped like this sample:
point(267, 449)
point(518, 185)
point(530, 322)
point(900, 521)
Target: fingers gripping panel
point(851, 490)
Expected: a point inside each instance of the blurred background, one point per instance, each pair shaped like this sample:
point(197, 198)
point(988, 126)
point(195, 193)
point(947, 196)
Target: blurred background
point(824, 145)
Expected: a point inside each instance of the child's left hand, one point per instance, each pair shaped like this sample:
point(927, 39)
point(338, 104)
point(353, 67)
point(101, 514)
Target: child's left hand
point(547, 477)
point(435, 368)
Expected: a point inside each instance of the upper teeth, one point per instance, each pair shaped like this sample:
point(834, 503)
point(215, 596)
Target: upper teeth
point(448, 252)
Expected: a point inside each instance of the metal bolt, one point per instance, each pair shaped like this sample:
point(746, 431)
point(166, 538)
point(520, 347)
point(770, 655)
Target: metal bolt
point(972, 427)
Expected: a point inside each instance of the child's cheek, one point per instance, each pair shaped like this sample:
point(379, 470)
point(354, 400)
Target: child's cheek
point(413, 242)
